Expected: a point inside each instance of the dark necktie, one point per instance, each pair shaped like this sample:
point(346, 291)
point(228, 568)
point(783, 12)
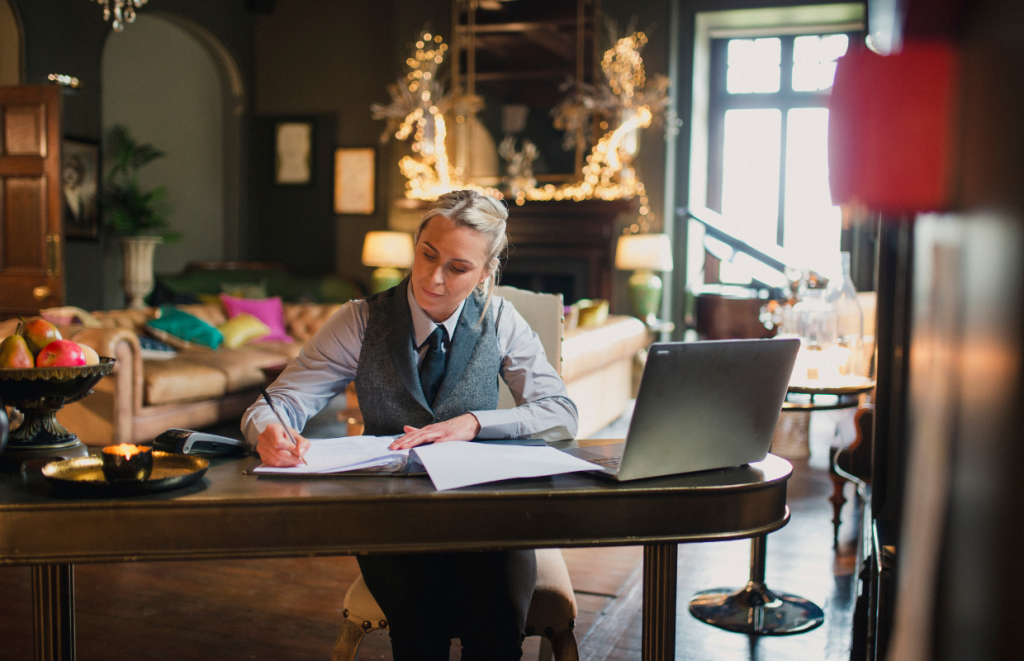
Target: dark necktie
point(434, 363)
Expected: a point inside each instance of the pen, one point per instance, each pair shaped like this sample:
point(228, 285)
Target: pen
point(287, 431)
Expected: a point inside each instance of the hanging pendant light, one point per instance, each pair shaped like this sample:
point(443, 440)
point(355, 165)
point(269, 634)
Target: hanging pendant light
point(123, 11)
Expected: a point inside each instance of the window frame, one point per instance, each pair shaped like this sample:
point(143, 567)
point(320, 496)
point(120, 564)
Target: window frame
point(811, 18)
point(786, 99)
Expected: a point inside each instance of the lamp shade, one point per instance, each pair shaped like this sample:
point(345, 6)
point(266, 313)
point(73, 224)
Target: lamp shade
point(892, 128)
point(644, 251)
point(392, 249)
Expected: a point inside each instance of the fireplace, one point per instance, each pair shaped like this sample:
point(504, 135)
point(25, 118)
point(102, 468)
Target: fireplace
point(564, 247)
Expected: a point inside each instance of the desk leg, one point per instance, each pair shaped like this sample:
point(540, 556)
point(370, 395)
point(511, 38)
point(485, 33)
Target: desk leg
point(659, 614)
point(53, 612)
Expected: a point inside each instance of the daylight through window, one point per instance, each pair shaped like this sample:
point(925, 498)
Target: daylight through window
point(768, 138)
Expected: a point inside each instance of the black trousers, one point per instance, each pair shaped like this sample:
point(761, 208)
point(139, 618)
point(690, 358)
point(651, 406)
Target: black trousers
point(429, 598)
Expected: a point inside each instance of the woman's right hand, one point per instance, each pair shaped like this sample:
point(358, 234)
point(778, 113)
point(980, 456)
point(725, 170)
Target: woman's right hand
point(276, 449)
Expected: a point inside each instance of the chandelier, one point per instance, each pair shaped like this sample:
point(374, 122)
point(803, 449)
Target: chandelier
point(123, 11)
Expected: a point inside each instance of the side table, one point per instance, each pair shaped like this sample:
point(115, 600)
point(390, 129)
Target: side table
point(754, 609)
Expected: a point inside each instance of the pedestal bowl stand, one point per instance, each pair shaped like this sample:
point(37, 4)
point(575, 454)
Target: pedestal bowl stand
point(39, 393)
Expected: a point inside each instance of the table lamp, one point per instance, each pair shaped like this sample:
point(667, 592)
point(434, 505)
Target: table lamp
point(644, 254)
point(389, 252)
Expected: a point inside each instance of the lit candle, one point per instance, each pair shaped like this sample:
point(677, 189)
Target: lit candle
point(127, 462)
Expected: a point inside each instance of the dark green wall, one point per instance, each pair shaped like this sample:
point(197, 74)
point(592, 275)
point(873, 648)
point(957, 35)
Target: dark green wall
point(329, 58)
point(67, 36)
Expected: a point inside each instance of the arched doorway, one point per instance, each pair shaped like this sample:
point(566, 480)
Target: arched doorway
point(174, 85)
point(10, 46)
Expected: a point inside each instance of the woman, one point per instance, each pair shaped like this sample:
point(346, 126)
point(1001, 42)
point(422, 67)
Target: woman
point(425, 357)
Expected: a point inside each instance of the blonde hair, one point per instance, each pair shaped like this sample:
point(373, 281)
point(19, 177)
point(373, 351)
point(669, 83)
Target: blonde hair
point(481, 213)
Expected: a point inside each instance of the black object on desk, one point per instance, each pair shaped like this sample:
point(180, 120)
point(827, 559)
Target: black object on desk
point(186, 441)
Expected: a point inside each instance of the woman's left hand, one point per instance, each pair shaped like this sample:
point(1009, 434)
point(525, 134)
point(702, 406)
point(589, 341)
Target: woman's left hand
point(463, 428)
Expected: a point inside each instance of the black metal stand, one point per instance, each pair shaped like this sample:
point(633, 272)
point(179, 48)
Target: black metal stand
point(755, 609)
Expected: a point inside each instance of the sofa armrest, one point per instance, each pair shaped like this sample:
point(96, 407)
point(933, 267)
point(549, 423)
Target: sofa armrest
point(122, 345)
point(303, 320)
point(586, 350)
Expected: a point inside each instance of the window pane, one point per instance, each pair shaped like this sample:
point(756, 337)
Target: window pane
point(814, 61)
point(750, 171)
point(754, 66)
point(812, 224)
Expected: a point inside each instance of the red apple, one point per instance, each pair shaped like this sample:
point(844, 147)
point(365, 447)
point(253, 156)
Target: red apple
point(61, 353)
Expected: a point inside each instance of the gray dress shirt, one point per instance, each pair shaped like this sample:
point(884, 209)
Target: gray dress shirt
point(328, 362)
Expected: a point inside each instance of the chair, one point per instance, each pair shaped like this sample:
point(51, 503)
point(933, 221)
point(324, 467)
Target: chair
point(552, 612)
point(851, 463)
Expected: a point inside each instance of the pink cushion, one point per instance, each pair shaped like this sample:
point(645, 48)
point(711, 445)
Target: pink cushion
point(267, 310)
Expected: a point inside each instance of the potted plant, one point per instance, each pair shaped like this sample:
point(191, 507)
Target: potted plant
point(135, 215)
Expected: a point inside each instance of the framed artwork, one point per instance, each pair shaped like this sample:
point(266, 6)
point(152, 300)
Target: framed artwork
point(354, 180)
point(293, 153)
point(79, 173)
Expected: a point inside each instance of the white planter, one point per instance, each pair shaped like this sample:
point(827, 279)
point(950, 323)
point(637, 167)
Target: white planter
point(137, 255)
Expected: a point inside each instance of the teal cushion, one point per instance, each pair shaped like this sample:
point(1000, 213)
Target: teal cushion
point(186, 327)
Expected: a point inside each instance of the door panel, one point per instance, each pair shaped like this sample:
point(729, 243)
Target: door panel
point(25, 130)
point(24, 201)
point(30, 200)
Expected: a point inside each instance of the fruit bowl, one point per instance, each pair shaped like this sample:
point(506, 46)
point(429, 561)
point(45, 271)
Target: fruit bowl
point(39, 392)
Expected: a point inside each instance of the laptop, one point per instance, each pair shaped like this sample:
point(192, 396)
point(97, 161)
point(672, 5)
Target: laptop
point(702, 406)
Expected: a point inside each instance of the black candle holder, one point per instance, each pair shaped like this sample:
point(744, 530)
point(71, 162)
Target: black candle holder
point(127, 463)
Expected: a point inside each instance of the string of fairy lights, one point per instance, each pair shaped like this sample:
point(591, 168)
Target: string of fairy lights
point(419, 103)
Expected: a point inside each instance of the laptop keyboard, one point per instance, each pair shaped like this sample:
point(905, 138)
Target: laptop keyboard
point(607, 462)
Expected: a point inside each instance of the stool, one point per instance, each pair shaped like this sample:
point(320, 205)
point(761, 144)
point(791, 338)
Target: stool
point(755, 609)
point(552, 611)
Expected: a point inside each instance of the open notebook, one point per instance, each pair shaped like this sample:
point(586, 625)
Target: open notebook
point(449, 465)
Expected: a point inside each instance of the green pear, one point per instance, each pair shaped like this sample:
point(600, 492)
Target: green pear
point(14, 353)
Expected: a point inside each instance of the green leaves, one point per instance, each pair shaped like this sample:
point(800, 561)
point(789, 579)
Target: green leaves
point(129, 210)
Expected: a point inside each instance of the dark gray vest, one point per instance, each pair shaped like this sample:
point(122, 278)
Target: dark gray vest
point(387, 379)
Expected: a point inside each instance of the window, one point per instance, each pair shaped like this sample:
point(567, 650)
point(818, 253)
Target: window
point(767, 142)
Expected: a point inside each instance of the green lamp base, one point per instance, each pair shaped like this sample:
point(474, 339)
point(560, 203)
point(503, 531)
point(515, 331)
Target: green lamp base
point(645, 290)
point(385, 277)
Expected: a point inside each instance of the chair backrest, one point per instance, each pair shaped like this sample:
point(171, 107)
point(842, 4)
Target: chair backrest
point(544, 313)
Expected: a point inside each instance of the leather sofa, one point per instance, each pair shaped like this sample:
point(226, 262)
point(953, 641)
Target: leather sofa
point(194, 389)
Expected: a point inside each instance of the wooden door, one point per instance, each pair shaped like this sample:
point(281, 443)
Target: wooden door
point(30, 200)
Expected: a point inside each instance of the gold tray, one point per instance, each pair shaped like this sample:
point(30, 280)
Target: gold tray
point(84, 475)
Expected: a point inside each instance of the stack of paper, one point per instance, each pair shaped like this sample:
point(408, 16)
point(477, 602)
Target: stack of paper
point(453, 465)
point(450, 465)
point(349, 453)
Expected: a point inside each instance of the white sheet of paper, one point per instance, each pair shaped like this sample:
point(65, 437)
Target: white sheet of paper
point(335, 455)
point(454, 465)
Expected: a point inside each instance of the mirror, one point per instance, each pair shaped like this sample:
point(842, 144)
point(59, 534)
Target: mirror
point(518, 59)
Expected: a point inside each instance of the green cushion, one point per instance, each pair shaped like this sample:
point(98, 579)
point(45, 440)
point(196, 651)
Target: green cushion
point(186, 327)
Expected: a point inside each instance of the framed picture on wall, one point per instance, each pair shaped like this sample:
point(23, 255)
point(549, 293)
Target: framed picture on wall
point(79, 172)
point(354, 180)
point(293, 153)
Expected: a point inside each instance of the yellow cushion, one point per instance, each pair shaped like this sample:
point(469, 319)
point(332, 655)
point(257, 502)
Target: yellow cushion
point(242, 329)
point(210, 299)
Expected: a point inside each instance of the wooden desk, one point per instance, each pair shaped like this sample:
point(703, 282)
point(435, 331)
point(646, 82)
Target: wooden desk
point(230, 515)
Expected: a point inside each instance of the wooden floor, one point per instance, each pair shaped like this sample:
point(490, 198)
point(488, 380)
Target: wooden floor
point(291, 609)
